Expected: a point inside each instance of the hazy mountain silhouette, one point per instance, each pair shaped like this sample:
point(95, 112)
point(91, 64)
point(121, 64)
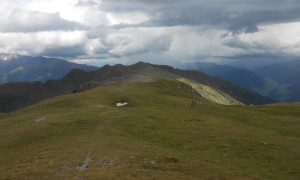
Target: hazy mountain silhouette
point(17, 68)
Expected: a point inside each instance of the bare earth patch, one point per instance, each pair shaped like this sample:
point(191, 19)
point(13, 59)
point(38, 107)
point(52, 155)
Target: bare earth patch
point(41, 119)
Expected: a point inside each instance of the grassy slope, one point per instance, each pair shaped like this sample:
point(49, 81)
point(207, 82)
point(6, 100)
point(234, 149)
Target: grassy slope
point(212, 94)
point(158, 136)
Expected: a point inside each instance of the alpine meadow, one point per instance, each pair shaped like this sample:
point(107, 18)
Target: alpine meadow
point(154, 90)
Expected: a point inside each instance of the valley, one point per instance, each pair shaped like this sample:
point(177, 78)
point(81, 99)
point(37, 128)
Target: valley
point(276, 80)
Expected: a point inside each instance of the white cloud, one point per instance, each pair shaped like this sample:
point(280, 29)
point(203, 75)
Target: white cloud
point(127, 42)
point(94, 47)
point(84, 12)
point(130, 18)
point(157, 31)
point(36, 43)
point(17, 20)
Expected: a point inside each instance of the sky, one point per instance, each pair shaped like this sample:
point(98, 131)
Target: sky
point(98, 32)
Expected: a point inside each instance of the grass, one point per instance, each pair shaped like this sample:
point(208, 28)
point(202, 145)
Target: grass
point(212, 94)
point(158, 136)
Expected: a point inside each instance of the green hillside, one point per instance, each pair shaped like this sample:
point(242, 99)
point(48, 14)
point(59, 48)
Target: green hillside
point(161, 134)
point(211, 94)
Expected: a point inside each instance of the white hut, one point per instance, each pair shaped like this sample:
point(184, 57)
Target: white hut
point(120, 104)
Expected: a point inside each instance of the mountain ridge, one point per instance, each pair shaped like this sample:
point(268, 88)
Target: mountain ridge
point(77, 80)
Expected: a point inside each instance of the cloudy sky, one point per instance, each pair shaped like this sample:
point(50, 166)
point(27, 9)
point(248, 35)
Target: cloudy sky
point(159, 31)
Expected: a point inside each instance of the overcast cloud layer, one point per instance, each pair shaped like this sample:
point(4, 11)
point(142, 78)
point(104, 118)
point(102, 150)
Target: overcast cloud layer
point(158, 31)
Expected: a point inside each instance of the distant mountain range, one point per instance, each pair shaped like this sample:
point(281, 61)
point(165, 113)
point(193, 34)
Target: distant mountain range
point(278, 80)
point(287, 75)
point(18, 68)
point(18, 95)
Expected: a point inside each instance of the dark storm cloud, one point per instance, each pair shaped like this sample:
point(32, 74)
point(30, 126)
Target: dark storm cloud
point(65, 52)
point(249, 21)
point(33, 21)
point(238, 43)
point(86, 3)
point(234, 15)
